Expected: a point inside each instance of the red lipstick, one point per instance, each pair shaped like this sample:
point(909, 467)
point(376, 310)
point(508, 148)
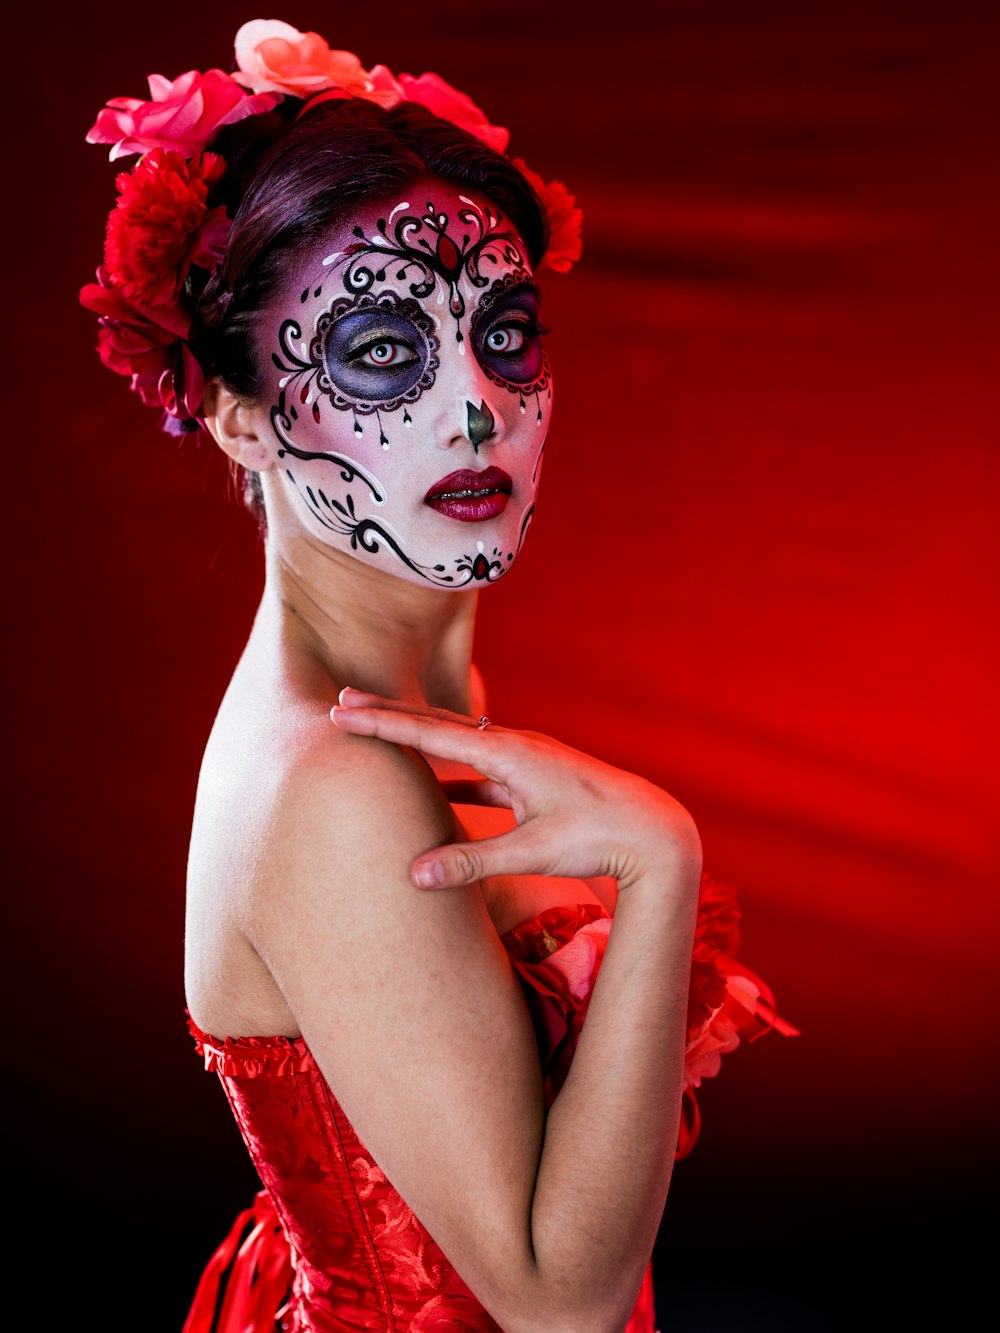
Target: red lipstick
point(469, 496)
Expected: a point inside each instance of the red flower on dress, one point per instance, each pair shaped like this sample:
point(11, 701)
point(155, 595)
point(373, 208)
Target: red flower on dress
point(716, 934)
point(161, 225)
point(565, 220)
point(558, 984)
point(183, 114)
point(433, 92)
point(727, 1002)
point(147, 343)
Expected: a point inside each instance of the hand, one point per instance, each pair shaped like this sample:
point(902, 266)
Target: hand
point(576, 816)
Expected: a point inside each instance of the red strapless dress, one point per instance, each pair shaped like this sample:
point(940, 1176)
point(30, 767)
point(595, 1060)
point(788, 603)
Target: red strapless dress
point(329, 1246)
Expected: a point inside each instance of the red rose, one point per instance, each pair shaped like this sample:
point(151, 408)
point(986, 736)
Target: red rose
point(275, 57)
point(148, 344)
point(161, 225)
point(431, 91)
point(557, 989)
point(565, 220)
point(183, 114)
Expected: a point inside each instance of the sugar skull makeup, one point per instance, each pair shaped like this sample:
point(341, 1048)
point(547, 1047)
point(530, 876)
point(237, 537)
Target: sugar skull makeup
point(411, 394)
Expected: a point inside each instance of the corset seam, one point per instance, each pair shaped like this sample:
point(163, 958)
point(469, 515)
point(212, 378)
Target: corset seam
point(373, 1256)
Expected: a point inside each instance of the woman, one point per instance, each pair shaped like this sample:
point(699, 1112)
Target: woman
point(396, 909)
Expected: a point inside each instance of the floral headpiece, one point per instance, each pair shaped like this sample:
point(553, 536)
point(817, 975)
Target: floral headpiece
point(162, 227)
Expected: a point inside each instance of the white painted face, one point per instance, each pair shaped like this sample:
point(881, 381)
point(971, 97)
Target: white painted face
point(410, 394)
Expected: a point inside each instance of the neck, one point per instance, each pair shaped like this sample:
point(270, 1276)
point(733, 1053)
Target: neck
point(361, 626)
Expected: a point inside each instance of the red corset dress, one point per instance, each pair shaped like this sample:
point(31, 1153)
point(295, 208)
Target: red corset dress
point(329, 1245)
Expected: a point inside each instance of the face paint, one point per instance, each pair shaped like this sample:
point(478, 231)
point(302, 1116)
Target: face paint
point(411, 395)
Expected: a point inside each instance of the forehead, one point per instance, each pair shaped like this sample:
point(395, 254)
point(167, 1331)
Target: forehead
point(430, 238)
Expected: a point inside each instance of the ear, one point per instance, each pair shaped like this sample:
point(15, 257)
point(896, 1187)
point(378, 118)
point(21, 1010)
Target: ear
point(232, 423)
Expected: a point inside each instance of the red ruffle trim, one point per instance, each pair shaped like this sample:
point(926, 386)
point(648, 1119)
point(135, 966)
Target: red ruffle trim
point(248, 1057)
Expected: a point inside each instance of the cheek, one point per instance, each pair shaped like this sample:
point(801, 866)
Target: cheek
point(526, 410)
point(328, 402)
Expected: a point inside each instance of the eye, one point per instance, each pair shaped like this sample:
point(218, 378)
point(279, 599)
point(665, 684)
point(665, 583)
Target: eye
point(509, 339)
point(375, 349)
point(385, 352)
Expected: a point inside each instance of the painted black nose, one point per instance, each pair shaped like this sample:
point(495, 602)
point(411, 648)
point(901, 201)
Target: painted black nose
point(480, 423)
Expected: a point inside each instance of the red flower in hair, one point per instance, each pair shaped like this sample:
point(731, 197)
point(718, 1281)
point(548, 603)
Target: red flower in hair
point(433, 92)
point(184, 113)
point(565, 220)
point(275, 57)
point(147, 344)
point(161, 225)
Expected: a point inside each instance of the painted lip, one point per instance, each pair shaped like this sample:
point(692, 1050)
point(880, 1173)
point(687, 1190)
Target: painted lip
point(470, 496)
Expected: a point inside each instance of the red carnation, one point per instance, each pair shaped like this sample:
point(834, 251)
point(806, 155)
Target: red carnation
point(565, 220)
point(148, 344)
point(161, 225)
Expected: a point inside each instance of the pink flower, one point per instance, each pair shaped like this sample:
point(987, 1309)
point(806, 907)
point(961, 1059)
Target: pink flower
point(721, 1033)
point(431, 91)
point(275, 57)
point(161, 225)
point(183, 114)
point(565, 220)
point(147, 343)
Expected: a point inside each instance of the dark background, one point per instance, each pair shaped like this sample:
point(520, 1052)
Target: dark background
point(763, 573)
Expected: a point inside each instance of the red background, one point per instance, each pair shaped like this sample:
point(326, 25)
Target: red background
point(763, 573)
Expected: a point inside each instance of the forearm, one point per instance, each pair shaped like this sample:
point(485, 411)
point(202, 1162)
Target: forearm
point(611, 1133)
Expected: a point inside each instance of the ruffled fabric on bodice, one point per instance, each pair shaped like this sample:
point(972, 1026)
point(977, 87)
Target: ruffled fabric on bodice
point(328, 1245)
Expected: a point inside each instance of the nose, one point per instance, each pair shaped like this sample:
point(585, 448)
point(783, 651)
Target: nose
point(480, 423)
point(465, 404)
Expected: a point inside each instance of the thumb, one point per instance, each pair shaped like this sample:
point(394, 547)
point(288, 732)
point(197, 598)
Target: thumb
point(461, 863)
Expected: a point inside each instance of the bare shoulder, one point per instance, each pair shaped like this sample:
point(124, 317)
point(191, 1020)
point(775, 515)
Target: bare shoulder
point(343, 808)
point(292, 818)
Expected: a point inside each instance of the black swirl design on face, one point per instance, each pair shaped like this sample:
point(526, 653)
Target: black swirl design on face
point(339, 515)
point(283, 418)
point(506, 336)
point(421, 248)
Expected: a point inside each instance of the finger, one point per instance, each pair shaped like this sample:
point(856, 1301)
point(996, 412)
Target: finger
point(469, 791)
point(460, 863)
point(431, 735)
point(352, 698)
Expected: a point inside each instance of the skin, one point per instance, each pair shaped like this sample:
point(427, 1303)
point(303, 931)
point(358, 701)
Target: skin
point(336, 892)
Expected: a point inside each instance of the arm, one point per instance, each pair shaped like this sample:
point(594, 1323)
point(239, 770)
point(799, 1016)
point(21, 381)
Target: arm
point(409, 1005)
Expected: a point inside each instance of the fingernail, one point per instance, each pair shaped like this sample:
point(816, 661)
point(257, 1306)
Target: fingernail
point(430, 875)
point(346, 690)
